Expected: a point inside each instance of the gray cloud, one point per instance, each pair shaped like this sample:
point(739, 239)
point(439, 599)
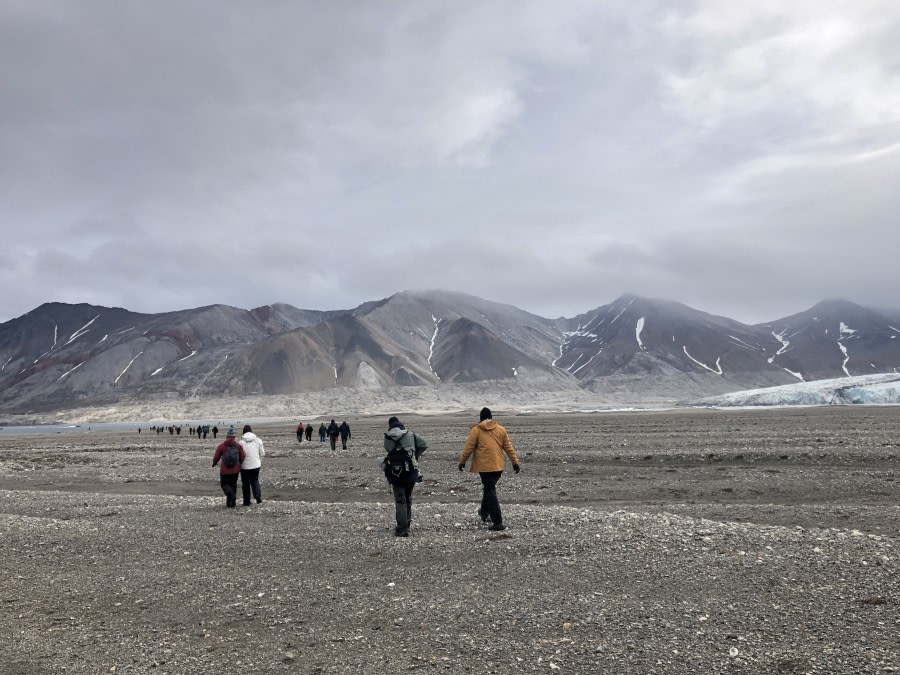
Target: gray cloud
point(739, 158)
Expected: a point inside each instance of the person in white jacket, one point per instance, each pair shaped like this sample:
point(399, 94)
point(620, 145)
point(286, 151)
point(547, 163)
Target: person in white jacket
point(253, 454)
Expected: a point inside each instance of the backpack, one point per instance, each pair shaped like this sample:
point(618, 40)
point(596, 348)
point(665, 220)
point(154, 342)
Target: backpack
point(232, 455)
point(398, 464)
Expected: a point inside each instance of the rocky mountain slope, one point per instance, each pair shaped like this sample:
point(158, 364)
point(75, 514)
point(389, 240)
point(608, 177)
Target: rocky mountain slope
point(60, 356)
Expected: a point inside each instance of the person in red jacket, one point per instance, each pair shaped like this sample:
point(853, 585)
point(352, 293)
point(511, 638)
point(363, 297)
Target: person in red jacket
point(228, 475)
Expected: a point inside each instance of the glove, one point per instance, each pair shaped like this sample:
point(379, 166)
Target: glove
point(462, 466)
point(516, 468)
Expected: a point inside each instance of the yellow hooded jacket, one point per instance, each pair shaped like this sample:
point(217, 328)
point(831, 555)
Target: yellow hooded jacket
point(488, 441)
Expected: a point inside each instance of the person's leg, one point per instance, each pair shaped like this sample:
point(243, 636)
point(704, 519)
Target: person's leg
point(411, 483)
point(229, 487)
point(401, 511)
point(489, 502)
point(254, 485)
point(245, 485)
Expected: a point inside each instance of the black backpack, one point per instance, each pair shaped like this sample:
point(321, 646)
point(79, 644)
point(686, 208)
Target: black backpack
point(398, 464)
point(232, 455)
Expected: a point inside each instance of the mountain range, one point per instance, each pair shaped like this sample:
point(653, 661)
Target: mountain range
point(63, 355)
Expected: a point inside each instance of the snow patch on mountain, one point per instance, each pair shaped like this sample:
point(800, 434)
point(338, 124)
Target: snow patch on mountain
point(784, 344)
point(126, 368)
point(431, 347)
point(738, 340)
point(846, 357)
point(718, 368)
point(622, 312)
point(846, 330)
point(78, 333)
point(637, 333)
point(69, 371)
point(883, 389)
point(586, 364)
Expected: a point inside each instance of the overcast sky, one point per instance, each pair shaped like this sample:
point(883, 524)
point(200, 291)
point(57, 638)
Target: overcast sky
point(740, 157)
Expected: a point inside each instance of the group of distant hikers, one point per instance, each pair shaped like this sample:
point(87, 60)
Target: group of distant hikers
point(332, 432)
point(487, 445)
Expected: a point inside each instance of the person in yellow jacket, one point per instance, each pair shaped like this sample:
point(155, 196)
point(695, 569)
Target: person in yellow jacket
point(486, 444)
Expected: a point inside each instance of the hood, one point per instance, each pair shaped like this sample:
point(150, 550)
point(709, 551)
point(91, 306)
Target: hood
point(396, 433)
point(249, 436)
point(487, 425)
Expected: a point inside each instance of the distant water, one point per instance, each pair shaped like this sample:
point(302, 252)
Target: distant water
point(124, 427)
point(71, 428)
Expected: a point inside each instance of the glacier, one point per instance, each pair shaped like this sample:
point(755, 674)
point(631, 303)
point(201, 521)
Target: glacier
point(882, 389)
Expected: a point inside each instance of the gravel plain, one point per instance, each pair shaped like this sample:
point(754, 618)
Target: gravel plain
point(683, 541)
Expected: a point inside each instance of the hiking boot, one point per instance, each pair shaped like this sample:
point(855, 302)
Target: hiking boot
point(483, 515)
point(497, 527)
point(401, 533)
point(259, 500)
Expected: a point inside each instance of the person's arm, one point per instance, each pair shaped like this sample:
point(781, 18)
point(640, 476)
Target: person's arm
point(469, 448)
point(510, 451)
point(217, 455)
point(421, 445)
point(262, 449)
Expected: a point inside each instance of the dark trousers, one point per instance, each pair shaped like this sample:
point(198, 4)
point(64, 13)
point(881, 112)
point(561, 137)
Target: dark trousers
point(344, 442)
point(489, 502)
point(333, 441)
point(229, 487)
point(250, 479)
point(309, 434)
point(403, 490)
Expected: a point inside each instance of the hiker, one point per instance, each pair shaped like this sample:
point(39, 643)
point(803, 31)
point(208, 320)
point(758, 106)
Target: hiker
point(486, 444)
point(250, 465)
point(309, 433)
point(323, 432)
point(300, 432)
point(344, 431)
point(333, 431)
point(215, 431)
point(401, 468)
point(228, 473)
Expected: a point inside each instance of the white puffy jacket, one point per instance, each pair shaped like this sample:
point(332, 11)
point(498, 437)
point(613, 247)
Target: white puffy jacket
point(253, 451)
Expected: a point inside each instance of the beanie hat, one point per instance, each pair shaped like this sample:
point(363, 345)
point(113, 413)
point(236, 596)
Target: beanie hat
point(485, 414)
point(394, 422)
point(230, 433)
point(246, 429)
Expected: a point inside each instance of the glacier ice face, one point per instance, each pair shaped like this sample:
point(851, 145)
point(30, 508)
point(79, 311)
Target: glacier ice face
point(883, 389)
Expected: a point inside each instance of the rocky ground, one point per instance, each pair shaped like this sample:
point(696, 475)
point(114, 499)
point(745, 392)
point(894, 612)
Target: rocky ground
point(667, 542)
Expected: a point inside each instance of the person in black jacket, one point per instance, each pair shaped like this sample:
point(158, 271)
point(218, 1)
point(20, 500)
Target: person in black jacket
point(344, 431)
point(401, 469)
point(333, 431)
